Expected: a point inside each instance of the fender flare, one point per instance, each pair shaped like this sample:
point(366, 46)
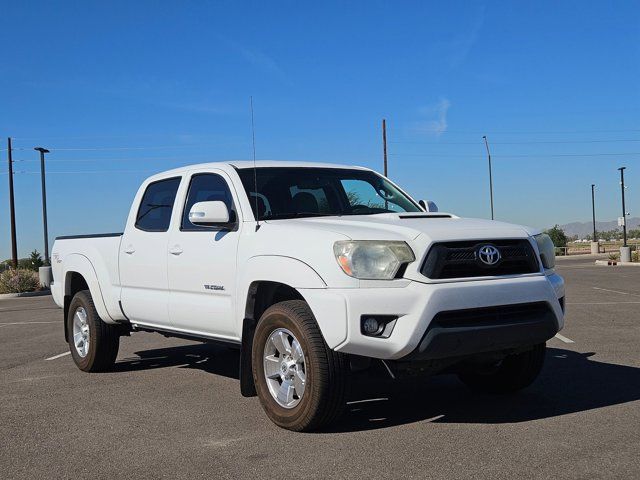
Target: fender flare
point(78, 263)
point(273, 268)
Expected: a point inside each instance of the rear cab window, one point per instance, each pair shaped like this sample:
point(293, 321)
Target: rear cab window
point(154, 211)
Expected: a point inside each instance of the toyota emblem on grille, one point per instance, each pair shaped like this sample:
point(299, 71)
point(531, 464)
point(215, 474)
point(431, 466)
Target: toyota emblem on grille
point(489, 255)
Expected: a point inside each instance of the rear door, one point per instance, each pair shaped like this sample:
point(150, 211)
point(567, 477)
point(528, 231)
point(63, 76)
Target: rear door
point(143, 255)
point(202, 261)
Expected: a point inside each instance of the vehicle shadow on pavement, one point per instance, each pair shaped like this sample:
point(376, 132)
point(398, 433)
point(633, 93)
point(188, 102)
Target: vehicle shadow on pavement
point(213, 359)
point(570, 382)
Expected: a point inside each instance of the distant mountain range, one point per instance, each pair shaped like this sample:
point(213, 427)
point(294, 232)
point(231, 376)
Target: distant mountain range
point(582, 229)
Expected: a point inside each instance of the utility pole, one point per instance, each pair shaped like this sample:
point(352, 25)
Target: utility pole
point(384, 144)
point(44, 204)
point(12, 209)
point(593, 209)
point(486, 143)
point(624, 210)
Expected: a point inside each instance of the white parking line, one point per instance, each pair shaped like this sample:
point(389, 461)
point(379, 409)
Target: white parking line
point(600, 303)
point(367, 400)
point(57, 356)
point(22, 323)
point(564, 339)
point(616, 291)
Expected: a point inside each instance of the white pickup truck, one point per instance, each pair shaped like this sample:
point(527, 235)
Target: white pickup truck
point(312, 270)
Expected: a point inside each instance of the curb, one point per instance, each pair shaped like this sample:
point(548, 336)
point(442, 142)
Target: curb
point(39, 293)
point(616, 263)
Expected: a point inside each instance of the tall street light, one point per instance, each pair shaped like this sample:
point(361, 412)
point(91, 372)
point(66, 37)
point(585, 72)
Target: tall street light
point(486, 143)
point(44, 204)
point(593, 209)
point(624, 210)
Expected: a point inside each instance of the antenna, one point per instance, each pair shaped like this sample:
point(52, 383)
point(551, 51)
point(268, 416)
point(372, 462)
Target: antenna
point(255, 170)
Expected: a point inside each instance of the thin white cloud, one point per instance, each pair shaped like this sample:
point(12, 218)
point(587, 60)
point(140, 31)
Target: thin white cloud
point(460, 46)
point(437, 125)
point(260, 60)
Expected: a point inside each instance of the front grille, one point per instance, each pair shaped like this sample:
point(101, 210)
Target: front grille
point(493, 316)
point(462, 259)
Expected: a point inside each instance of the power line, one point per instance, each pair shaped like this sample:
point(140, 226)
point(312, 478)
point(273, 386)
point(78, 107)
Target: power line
point(95, 149)
point(516, 155)
point(118, 159)
point(537, 132)
point(83, 172)
point(532, 142)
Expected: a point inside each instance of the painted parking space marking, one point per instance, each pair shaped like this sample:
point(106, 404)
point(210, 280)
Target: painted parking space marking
point(564, 339)
point(616, 291)
point(22, 323)
point(58, 356)
point(601, 303)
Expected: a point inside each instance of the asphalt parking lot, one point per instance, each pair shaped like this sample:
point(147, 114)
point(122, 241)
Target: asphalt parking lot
point(172, 408)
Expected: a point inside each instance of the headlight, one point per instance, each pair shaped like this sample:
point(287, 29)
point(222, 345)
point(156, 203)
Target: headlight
point(547, 250)
point(371, 259)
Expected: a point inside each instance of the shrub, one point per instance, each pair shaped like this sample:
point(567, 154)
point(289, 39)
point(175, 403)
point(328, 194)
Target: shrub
point(558, 237)
point(613, 256)
point(20, 280)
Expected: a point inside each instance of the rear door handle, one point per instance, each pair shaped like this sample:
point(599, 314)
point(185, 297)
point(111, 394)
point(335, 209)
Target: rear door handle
point(129, 249)
point(175, 250)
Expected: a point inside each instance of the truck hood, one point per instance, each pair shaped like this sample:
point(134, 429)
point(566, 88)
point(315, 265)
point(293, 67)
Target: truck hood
point(407, 227)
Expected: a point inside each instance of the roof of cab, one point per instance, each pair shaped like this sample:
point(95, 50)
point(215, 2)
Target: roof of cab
point(249, 164)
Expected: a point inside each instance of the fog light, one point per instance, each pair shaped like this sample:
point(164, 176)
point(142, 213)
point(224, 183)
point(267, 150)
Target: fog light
point(371, 326)
point(379, 326)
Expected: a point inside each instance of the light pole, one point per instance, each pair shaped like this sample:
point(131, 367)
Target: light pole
point(12, 208)
point(486, 143)
point(384, 144)
point(44, 204)
point(624, 210)
point(593, 209)
point(595, 245)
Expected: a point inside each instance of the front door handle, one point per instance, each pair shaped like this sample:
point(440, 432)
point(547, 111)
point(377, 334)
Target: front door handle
point(175, 250)
point(129, 249)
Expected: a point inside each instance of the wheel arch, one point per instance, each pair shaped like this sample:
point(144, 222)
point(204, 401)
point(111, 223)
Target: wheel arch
point(80, 275)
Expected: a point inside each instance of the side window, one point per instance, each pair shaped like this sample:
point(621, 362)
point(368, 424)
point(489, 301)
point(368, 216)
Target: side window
point(154, 212)
point(206, 187)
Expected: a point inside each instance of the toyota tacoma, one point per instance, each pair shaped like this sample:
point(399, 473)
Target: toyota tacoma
point(312, 271)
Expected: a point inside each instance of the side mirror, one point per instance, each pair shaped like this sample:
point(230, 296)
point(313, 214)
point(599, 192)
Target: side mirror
point(209, 214)
point(428, 206)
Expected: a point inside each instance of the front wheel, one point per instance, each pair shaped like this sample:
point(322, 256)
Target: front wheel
point(511, 374)
point(301, 383)
point(93, 343)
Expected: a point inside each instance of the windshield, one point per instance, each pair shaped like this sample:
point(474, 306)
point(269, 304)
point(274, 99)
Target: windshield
point(289, 192)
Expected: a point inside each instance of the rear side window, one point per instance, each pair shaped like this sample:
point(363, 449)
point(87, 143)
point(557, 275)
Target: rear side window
point(154, 213)
point(206, 187)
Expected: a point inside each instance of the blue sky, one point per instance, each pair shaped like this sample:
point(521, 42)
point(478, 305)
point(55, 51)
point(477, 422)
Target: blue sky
point(120, 90)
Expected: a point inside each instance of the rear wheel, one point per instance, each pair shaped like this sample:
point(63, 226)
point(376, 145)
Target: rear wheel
point(93, 343)
point(300, 381)
point(511, 374)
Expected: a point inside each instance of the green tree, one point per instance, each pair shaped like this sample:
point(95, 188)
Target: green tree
point(36, 260)
point(558, 237)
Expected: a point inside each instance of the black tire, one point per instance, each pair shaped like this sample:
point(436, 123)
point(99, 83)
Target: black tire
point(326, 371)
point(513, 373)
point(104, 339)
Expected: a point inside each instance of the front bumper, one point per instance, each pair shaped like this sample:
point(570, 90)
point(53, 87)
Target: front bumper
point(418, 305)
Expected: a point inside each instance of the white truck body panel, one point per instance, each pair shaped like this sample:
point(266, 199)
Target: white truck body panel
point(199, 282)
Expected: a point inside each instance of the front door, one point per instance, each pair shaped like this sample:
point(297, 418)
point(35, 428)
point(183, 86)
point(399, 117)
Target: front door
point(202, 263)
point(143, 255)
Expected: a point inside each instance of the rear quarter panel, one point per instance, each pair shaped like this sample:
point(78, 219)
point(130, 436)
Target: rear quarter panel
point(96, 259)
